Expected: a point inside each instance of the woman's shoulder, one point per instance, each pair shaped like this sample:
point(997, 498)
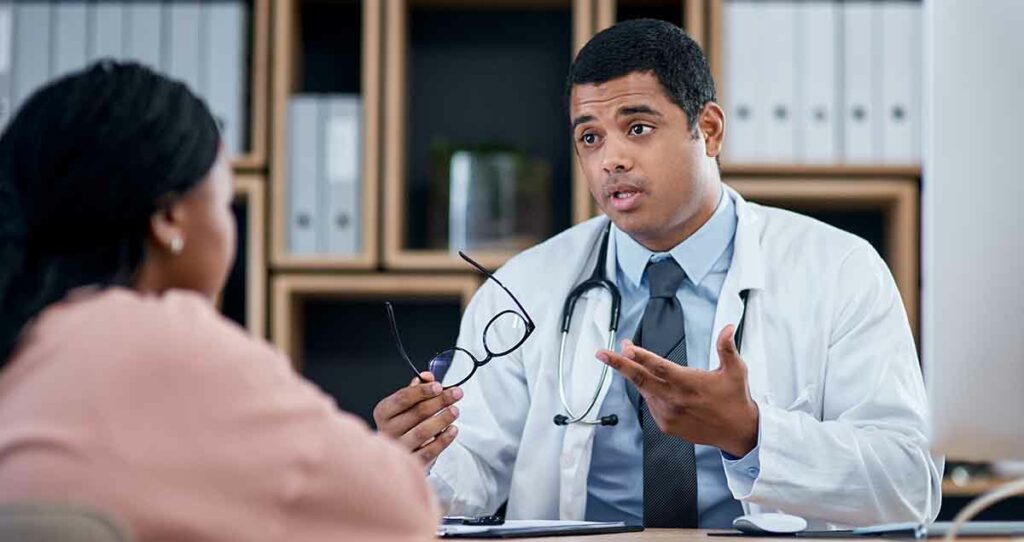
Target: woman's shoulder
point(147, 329)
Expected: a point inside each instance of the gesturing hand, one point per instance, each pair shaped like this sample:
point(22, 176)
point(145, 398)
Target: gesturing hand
point(703, 407)
point(420, 417)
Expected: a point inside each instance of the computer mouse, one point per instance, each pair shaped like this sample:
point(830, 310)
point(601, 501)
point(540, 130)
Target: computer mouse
point(770, 522)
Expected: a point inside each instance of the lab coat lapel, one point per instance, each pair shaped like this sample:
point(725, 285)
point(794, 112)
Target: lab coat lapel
point(588, 333)
point(745, 273)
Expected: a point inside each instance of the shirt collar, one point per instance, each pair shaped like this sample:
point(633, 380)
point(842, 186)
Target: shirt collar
point(696, 254)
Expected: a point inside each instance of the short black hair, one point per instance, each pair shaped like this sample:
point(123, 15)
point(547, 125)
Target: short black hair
point(648, 45)
point(84, 163)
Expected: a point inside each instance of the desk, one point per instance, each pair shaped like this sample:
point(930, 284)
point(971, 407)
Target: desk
point(696, 535)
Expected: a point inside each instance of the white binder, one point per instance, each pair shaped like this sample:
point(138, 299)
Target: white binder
point(6, 61)
point(181, 54)
point(70, 23)
point(303, 156)
point(225, 24)
point(144, 33)
point(106, 30)
point(776, 23)
point(342, 174)
point(860, 58)
point(31, 48)
point(743, 122)
point(901, 80)
point(817, 116)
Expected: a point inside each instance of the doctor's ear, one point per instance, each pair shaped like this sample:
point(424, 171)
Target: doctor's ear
point(711, 128)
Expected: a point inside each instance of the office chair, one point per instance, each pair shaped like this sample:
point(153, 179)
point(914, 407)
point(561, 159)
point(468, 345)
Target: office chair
point(44, 522)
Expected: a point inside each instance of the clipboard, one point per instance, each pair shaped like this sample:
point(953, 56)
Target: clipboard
point(535, 529)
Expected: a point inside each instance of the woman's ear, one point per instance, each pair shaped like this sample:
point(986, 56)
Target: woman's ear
point(167, 228)
point(711, 125)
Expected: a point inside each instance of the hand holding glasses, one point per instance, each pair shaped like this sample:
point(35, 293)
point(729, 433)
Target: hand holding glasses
point(504, 333)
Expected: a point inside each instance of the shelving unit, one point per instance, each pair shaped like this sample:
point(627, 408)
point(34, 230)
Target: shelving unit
point(336, 331)
point(883, 210)
point(255, 159)
point(244, 298)
point(427, 70)
point(448, 68)
point(317, 52)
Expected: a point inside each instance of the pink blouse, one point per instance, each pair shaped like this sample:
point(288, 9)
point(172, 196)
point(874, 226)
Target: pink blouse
point(160, 412)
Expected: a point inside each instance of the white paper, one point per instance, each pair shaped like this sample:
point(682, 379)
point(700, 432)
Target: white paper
point(6, 37)
point(515, 524)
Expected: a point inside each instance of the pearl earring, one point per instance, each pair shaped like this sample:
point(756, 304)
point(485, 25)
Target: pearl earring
point(177, 245)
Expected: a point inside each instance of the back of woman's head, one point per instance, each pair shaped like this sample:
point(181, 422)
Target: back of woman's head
point(84, 164)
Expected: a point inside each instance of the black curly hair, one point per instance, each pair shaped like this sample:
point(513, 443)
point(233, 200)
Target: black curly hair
point(83, 166)
point(648, 45)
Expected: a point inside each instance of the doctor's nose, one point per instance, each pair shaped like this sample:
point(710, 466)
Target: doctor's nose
point(615, 159)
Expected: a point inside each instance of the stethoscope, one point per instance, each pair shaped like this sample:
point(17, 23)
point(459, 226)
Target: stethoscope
point(599, 280)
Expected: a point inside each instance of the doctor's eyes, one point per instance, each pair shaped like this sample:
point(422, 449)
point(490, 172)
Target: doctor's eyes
point(589, 139)
point(640, 129)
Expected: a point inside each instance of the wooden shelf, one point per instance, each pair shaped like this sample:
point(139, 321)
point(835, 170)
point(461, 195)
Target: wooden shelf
point(336, 330)
point(805, 170)
point(974, 488)
point(405, 207)
point(290, 291)
point(897, 199)
point(287, 80)
point(250, 265)
point(689, 14)
point(255, 159)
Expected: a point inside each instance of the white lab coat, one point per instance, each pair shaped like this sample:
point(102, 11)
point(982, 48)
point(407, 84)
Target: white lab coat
point(831, 361)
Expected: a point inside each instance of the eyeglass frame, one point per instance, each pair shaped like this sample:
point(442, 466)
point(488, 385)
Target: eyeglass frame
point(530, 327)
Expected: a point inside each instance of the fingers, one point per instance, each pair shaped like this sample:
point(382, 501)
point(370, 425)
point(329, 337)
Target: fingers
point(424, 377)
point(403, 400)
point(403, 422)
point(655, 364)
point(423, 433)
point(428, 452)
point(632, 371)
point(728, 354)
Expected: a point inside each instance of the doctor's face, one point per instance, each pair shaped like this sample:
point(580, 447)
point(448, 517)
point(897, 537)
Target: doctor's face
point(646, 169)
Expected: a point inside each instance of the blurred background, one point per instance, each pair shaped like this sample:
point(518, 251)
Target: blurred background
point(373, 139)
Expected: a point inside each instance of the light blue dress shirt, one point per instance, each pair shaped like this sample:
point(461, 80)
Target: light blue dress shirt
point(615, 482)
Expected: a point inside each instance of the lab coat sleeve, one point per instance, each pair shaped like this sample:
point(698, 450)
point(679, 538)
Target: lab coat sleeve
point(473, 475)
point(866, 461)
point(743, 471)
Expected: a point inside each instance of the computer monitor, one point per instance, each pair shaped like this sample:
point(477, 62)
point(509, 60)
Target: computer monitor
point(973, 228)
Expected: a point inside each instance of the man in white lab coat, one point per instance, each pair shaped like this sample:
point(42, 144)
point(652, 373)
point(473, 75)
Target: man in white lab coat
point(816, 408)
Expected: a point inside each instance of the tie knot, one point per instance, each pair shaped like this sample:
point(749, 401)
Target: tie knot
point(664, 278)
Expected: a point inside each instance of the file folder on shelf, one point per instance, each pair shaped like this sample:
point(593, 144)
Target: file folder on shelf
point(70, 25)
point(303, 156)
point(32, 38)
point(225, 24)
point(342, 160)
point(901, 75)
point(860, 57)
point(817, 115)
point(106, 30)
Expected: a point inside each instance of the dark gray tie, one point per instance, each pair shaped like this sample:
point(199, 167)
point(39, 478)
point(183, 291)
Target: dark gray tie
point(670, 469)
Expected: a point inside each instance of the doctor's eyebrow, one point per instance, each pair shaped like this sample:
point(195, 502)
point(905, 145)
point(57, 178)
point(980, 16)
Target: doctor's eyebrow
point(582, 119)
point(630, 110)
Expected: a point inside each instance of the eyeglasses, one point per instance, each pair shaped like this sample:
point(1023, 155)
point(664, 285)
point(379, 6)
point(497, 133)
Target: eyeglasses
point(504, 333)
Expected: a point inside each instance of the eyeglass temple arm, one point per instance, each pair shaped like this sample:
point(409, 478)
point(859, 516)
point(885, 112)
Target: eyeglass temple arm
point(398, 339)
point(492, 277)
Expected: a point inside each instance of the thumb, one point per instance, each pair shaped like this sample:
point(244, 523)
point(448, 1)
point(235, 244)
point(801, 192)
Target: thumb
point(425, 376)
point(728, 355)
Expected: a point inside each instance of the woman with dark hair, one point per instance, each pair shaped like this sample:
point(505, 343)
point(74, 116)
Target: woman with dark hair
point(121, 388)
